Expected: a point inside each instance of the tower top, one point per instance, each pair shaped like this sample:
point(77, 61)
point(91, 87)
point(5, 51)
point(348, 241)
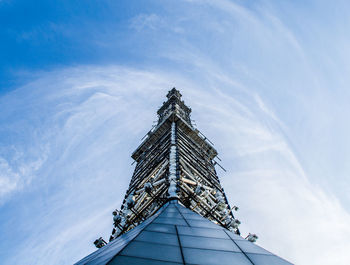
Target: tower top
point(174, 92)
point(174, 105)
point(174, 109)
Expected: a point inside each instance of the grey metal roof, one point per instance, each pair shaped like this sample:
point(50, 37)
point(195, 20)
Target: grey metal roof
point(177, 235)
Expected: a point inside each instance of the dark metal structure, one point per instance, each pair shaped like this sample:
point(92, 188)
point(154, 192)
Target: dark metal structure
point(174, 186)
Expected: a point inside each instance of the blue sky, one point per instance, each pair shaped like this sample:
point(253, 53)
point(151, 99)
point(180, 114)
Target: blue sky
point(268, 83)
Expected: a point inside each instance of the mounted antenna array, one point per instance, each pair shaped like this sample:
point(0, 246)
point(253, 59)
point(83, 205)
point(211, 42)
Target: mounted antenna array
point(174, 162)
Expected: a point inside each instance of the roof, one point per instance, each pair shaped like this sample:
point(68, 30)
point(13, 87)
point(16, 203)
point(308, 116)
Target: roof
point(177, 235)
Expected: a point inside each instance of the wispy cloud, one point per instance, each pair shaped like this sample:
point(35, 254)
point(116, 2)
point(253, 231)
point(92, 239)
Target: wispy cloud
point(146, 21)
point(8, 179)
point(258, 90)
point(267, 180)
point(89, 167)
point(16, 176)
point(88, 120)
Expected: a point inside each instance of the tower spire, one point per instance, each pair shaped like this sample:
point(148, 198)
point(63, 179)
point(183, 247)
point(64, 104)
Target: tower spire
point(174, 106)
point(174, 162)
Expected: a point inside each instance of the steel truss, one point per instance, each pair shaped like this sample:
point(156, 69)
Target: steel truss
point(175, 161)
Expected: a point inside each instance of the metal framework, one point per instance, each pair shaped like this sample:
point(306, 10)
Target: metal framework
point(174, 162)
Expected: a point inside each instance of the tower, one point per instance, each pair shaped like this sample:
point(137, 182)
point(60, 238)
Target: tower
point(175, 210)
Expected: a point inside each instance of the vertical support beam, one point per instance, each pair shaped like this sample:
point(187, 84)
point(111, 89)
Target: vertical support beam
point(173, 164)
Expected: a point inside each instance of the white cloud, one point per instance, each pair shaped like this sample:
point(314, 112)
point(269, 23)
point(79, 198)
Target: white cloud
point(100, 109)
point(293, 217)
point(252, 90)
point(8, 178)
point(146, 21)
point(14, 178)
